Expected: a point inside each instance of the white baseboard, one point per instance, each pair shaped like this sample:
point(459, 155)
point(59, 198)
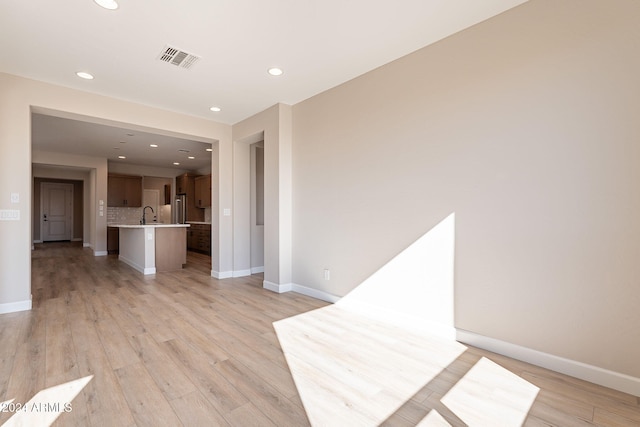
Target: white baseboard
point(12, 307)
point(594, 374)
point(136, 266)
point(274, 287)
point(38, 241)
point(256, 270)
point(221, 274)
point(95, 253)
point(242, 273)
point(292, 287)
point(315, 293)
point(228, 274)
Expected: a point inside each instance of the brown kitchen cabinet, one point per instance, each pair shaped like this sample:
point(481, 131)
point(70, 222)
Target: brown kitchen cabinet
point(203, 191)
point(113, 240)
point(124, 191)
point(199, 238)
point(185, 184)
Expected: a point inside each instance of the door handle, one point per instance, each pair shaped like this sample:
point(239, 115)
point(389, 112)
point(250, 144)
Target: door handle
point(45, 217)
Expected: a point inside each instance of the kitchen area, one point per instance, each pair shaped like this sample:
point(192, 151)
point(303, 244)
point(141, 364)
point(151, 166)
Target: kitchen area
point(153, 221)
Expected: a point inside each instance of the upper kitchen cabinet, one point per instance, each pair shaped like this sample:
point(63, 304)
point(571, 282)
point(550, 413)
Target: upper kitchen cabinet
point(124, 191)
point(186, 184)
point(203, 191)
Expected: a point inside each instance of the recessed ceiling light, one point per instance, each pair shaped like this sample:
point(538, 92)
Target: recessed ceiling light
point(107, 4)
point(209, 149)
point(153, 145)
point(215, 109)
point(190, 157)
point(84, 75)
point(275, 71)
point(176, 163)
point(122, 157)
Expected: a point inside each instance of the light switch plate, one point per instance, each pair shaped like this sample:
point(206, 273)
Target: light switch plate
point(9, 215)
point(15, 197)
point(227, 212)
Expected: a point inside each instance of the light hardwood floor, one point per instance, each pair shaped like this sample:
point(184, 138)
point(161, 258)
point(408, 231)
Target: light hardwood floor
point(183, 348)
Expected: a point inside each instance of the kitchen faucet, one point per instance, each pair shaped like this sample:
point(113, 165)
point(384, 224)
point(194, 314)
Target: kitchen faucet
point(144, 210)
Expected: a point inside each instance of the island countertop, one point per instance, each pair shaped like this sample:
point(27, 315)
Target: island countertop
point(153, 225)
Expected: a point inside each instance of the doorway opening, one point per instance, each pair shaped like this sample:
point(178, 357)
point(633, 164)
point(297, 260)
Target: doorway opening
point(257, 207)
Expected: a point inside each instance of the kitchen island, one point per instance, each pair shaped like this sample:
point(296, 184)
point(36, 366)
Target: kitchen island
point(154, 247)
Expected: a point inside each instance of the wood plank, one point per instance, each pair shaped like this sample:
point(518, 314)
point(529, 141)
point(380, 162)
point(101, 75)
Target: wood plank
point(146, 402)
point(194, 409)
point(201, 371)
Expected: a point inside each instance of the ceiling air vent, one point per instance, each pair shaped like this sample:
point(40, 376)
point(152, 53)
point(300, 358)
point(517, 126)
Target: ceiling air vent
point(177, 57)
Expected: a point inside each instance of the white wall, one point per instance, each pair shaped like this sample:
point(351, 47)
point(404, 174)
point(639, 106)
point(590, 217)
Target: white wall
point(274, 127)
point(526, 127)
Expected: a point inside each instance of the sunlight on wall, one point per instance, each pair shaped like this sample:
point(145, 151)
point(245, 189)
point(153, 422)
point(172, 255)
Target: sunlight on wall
point(47, 405)
point(415, 288)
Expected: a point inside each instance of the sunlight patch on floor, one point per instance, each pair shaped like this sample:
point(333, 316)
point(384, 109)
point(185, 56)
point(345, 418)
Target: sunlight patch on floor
point(47, 405)
point(351, 370)
point(489, 395)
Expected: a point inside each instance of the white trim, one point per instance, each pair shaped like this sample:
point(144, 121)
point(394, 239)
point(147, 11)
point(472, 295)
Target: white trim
point(38, 241)
point(255, 270)
point(141, 269)
point(221, 274)
point(303, 290)
point(12, 307)
point(594, 374)
point(274, 287)
point(242, 273)
point(95, 253)
point(315, 293)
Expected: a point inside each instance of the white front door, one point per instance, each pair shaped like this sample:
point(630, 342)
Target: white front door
point(56, 211)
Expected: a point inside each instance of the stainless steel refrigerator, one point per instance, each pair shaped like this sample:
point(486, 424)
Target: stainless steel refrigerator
point(180, 209)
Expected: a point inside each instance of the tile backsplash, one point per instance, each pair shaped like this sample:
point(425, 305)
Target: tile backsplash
point(134, 215)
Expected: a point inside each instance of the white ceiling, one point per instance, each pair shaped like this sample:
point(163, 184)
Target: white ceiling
point(318, 44)
point(65, 135)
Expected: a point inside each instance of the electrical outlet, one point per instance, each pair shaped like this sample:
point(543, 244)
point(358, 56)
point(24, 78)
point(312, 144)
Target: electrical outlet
point(327, 274)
